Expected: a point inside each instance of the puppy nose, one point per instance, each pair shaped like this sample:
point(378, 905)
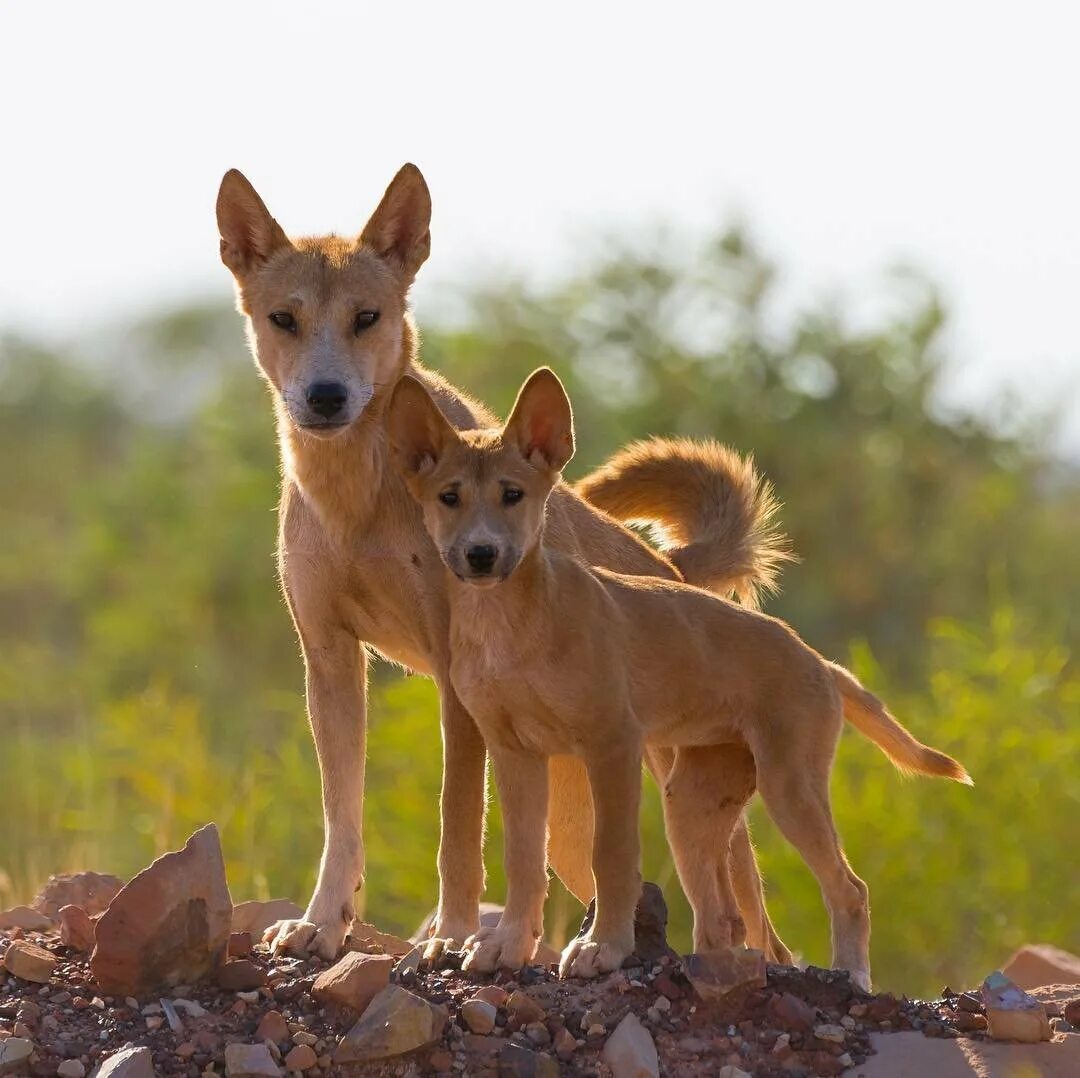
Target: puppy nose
point(327, 398)
point(481, 558)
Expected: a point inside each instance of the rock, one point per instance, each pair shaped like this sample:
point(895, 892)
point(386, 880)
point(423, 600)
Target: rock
point(440, 1060)
point(565, 1043)
point(128, 1063)
point(29, 962)
point(1011, 1014)
point(911, 1055)
point(791, 1013)
point(716, 974)
point(76, 928)
point(169, 925)
point(1039, 964)
point(516, 1061)
point(828, 1032)
point(494, 994)
point(729, 1071)
point(257, 917)
point(250, 1061)
point(396, 1021)
point(91, 890)
point(301, 1058)
point(650, 924)
point(630, 1051)
point(29, 920)
point(240, 944)
point(14, 1053)
point(667, 987)
point(240, 975)
point(71, 1068)
point(523, 1009)
point(368, 939)
point(272, 1027)
point(478, 1015)
point(354, 981)
point(1072, 1012)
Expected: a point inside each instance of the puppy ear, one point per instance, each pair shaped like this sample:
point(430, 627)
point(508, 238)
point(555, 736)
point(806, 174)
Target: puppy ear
point(418, 431)
point(541, 423)
point(249, 235)
point(399, 231)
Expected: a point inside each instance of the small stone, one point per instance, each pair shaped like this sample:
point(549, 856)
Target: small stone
point(440, 1060)
point(478, 1015)
point(730, 1071)
point(847, 1022)
point(301, 1058)
point(76, 928)
point(21, 1029)
point(523, 1009)
point(1013, 1015)
point(303, 1037)
point(29, 920)
point(240, 944)
point(29, 962)
point(630, 1051)
point(185, 1049)
point(565, 1043)
point(71, 1068)
point(240, 975)
point(367, 938)
point(250, 1061)
point(128, 1063)
point(493, 994)
point(189, 1007)
point(595, 1030)
point(248, 997)
point(667, 987)
point(517, 1061)
point(537, 1033)
point(662, 1004)
point(354, 981)
point(1072, 1012)
point(257, 917)
point(93, 891)
point(395, 1022)
point(272, 1027)
point(716, 974)
point(154, 1021)
point(14, 1054)
point(828, 1032)
point(782, 1047)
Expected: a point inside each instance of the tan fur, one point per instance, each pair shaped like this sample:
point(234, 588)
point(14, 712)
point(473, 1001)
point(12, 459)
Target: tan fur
point(551, 655)
point(714, 516)
point(357, 567)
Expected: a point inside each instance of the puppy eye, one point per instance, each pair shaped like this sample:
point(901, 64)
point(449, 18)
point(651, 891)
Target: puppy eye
point(363, 320)
point(284, 320)
point(450, 498)
point(511, 496)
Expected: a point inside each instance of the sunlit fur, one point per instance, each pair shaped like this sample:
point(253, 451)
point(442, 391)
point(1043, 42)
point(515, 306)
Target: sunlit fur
point(560, 657)
point(357, 567)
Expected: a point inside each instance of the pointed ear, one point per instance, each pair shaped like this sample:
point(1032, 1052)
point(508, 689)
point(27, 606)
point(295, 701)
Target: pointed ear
point(418, 431)
point(249, 235)
point(399, 231)
point(542, 424)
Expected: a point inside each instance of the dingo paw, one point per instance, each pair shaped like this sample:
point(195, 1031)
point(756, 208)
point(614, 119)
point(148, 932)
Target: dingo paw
point(585, 957)
point(502, 947)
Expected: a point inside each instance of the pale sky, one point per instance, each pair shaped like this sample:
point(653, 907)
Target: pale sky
point(849, 136)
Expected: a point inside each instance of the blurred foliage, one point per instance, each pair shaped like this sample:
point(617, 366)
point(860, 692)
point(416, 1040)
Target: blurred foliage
point(150, 680)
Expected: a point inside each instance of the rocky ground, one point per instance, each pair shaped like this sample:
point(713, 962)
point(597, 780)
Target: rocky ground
point(376, 1011)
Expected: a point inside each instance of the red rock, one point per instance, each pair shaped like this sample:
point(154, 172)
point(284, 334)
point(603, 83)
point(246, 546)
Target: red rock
point(1011, 1014)
point(77, 928)
point(301, 1058)
point(667, 987)
point(272, 1027)
point(1039, 964)
point(240, 975)
point(716, 974)
point(354, 981)
point(1072, 1012)
point(493, 994)
point(368, 939)
point(257, 917)
point(523, 1009)
point(791, 1013)
point(29, 920)
point(240, 944)
point(91, 890)
point(29, 962)
point(128, 1063)
point(441, 1060)
point(169, 925)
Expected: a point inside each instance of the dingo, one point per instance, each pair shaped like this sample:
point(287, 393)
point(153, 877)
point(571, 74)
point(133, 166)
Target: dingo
point(329, 326)
point(550, 655)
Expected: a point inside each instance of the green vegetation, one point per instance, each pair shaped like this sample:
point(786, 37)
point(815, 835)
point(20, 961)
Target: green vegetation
point(150, 681)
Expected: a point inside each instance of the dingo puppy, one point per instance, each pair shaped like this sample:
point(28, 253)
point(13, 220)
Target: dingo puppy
point(551, 655)
point(328, 321)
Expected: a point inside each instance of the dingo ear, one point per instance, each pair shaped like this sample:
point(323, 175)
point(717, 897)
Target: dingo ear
point(399, 230)
point(249, 235)
point(418, 431)
point(541, 423)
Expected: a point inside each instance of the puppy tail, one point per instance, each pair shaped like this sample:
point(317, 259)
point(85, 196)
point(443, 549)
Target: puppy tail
point(709, 509)
point(872, 719)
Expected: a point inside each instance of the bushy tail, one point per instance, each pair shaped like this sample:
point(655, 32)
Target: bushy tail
point(872, 719)
point(707, 506)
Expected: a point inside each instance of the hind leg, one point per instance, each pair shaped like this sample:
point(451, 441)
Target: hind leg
point(750, 896)
point(793, 778)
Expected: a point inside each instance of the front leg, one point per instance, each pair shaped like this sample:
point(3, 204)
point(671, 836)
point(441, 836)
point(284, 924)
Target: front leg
point(521, 779)
point(461, 840)
point(615, 777)
point(336, 667)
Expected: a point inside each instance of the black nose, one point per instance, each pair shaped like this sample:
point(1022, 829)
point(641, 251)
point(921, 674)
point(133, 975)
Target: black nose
point(481, 558)
point(327, 398)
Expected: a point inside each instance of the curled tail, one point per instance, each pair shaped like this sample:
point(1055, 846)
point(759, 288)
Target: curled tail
point(708, 508)
point(872, 719)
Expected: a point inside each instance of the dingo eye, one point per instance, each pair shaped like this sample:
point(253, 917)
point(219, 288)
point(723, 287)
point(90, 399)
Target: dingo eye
point(284, 320)
point(511, 496)
point(450, 498)
point(363, 320)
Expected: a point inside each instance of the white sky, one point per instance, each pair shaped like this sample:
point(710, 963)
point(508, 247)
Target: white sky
point(850, 136)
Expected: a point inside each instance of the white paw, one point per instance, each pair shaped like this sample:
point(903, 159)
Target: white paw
point(585, 957)
point(304, 938)
point(502, 947)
